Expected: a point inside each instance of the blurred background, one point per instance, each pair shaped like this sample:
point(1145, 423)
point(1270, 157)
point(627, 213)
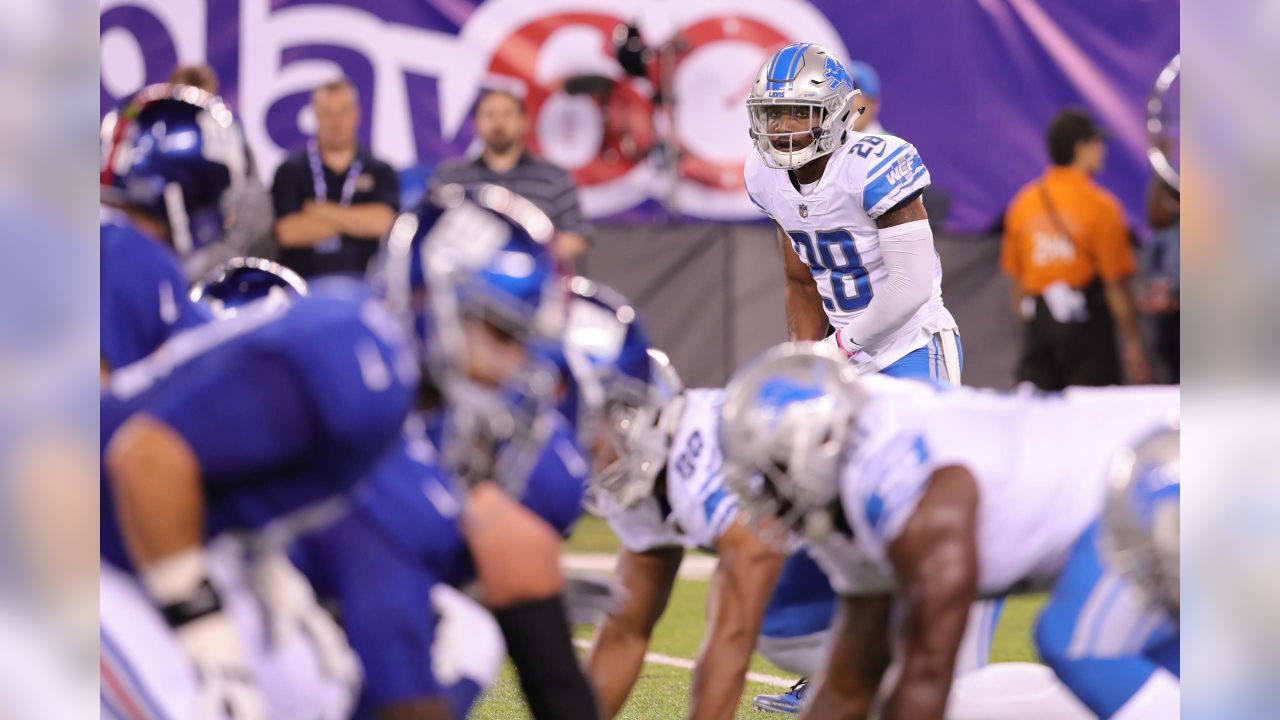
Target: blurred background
point(642, 103)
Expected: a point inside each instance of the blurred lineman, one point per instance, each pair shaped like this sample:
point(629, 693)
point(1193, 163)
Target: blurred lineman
point(161, 203)
point(195, 435)
point(659, 483)
point(1111, 628)
point(858, 257)
point(233, 426)
point(333, 199)
point(444, 509)
point(918, 486)
point(1066, 249)
point(501, 123)
point(656, 482)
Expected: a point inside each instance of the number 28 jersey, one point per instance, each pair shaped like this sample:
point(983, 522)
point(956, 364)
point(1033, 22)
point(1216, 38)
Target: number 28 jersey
point(833, 231)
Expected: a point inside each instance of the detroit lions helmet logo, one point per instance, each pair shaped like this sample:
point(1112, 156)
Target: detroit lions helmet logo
point(836, 73)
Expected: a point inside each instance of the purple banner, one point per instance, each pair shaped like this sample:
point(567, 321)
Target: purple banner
point(971, 84)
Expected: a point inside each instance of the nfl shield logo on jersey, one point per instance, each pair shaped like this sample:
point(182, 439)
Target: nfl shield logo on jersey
point(804, 211)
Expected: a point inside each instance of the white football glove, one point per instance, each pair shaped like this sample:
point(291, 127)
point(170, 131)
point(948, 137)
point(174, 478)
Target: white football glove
point(291, 607)
point(836, 341)
point(468, 642)
point(228, 690)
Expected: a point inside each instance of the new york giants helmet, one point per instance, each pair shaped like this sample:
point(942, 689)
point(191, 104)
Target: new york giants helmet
point(464, 260)
point(807, 77)
point(1141, 516)
point(175, 152)
point(622, 393)
point(242, 280)
point(785, 428)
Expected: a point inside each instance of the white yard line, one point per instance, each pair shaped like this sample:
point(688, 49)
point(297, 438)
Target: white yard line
point(660, 659)
point(694, 567)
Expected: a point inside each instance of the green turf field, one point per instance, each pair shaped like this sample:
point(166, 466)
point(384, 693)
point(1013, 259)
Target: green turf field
point(662, 690)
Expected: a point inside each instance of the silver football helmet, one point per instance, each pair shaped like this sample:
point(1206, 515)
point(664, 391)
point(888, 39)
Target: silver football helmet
point(785, 430)
point(1141, 525)
point(642, 434)
point(808, 82)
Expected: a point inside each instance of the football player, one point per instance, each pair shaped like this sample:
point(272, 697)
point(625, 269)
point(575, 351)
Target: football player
point(1110, 630)
point(945, 495)
point(860, 270)
point(656, 481)
point(234, 428)
point(659, 483)
point(481, 488)
point(172, 159)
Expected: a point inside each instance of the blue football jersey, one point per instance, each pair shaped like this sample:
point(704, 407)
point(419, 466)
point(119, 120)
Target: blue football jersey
point(283, 406)
point(379, 561)
point(143, 294)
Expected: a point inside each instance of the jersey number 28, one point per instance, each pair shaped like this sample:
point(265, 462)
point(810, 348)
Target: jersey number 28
point(835, 251)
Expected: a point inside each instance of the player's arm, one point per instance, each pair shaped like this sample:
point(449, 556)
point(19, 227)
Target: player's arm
point(517, 560)
point(155, 481)
point(744, 578)
point(906, 246)
point(860, 654)
point(935, 560)
point(156, 484)
point(806, 320)
point(617, 655)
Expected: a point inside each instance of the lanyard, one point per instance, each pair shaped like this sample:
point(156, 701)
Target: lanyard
point(317, 176)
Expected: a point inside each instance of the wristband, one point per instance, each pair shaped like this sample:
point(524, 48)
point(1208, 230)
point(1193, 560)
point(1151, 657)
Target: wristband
point(179, 584)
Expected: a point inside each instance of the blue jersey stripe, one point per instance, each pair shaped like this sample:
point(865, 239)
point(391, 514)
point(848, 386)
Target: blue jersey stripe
point(713, 501)
point(881, 187)
point(889, 158)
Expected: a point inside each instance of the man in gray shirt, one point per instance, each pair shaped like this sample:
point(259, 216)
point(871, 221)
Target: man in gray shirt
point(501, 124)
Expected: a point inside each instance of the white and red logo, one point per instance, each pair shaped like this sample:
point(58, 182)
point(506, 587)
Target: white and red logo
point(589, 116)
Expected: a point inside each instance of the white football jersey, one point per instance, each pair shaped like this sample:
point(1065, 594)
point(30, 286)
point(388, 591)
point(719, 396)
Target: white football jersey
point(696, 507)
point(1040, 462)
point(833, 231)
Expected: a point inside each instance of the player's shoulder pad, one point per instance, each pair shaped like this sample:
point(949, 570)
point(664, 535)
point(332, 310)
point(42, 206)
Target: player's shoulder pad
point(754, 175)
point(559, 478)
point(888, 169)
point(354, 358)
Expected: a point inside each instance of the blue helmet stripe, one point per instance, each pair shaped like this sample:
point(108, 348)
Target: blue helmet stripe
point(783, 58)
point(796, 59)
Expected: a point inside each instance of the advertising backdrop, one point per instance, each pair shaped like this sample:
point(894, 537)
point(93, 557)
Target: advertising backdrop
point(971, 83)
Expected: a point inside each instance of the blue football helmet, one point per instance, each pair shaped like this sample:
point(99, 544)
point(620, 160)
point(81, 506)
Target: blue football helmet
point(243, 280)
point(623, 395)
point(175, 153)
point(1141, 516)
point(472, 274)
